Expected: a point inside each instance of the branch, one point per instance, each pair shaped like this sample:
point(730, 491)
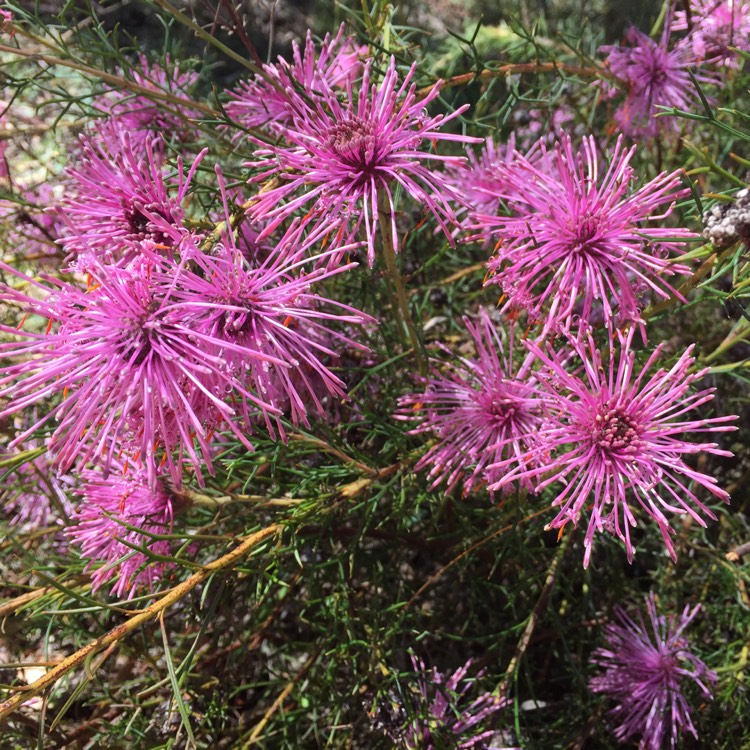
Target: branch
point(121, 631)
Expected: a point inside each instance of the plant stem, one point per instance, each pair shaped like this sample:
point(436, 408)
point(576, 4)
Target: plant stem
point(400, 299)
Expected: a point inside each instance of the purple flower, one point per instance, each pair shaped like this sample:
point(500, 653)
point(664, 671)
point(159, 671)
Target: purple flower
point(652, 76)
point(344, 158)
point(576, 231)
point(126, 367)
point(483, 182)
point(101, 530)
point(646, 665)
point(480, 411)
point(34, 495)
point(143, 116)
point(717, 26)
point(615, 438)
point(118, 200)
point(154, 357)
point(32, 231)
point(269, 101)
point(447, 716)
point(6, 21)
point(270, 308)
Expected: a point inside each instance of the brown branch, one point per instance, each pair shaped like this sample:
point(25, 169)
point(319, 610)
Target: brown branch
point(516, 69)
point(113, 80)
point(121, 631)
point(536, 613)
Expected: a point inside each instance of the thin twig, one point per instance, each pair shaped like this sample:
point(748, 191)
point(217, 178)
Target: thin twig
point(516, 69)
point(121, 631)
point(536, 613)
point(281, 699)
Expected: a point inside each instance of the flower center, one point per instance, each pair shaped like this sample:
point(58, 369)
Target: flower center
point(615, 431)
point(354, 141)
point(139, 227)
point(584, 232)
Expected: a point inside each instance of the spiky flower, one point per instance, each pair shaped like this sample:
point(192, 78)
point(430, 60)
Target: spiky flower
point(652, 76)
point(269, 101)
point(616, 439)
point(143, 115)
point(34, 494)
point(578, 231)
point(125, 367)
point(117, 515)
point(117, 199)
point(270, 307)
point(446, 713)
point(479, 409)
point(715, 27)
point(647, 665)
point(483, 181)
point(345, 158)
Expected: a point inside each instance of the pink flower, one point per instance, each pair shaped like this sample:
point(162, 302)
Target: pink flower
point(270, 307)
point(142, 116)
point(615, 438)
point(480, 411)
point(269, 102)
point(344, 158)
point(155, 356)
point(576, 232)
point(717, 26)
point(117, 199)
point(447, 714)
point(645, 667)
point(652, 76)
point(34, 494)
point(6, 21)
point(484, 181)
point(118, 515)
point(126, 369)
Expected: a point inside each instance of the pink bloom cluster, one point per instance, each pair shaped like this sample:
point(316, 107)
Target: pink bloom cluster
point(448, 715)
point(117, 527)
point(481, 412)
point(270, 101)
point(716, 26)
point(646, 665)
point(341, 161)
point(576, 238)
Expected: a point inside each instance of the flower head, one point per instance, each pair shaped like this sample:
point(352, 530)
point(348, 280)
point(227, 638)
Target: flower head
point(652, 76)
point(575, 232)
point(716, 26)
point(269, 102)
point(34, 495)
point(101, 530)
point(646, 665)
point(615, 438)
point(346, 158)
point(483, 181)
point(119, 199)
point(480, 411)
point(144, 116)
point(447, 716)
point(126, 369)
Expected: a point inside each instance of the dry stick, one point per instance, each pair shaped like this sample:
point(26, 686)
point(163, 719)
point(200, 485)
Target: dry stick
point(541, 603)
point(280, 699)
point(118, 633)
point(112, 79)
point(516, 69)
point(691, 283)
point(10, 607)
